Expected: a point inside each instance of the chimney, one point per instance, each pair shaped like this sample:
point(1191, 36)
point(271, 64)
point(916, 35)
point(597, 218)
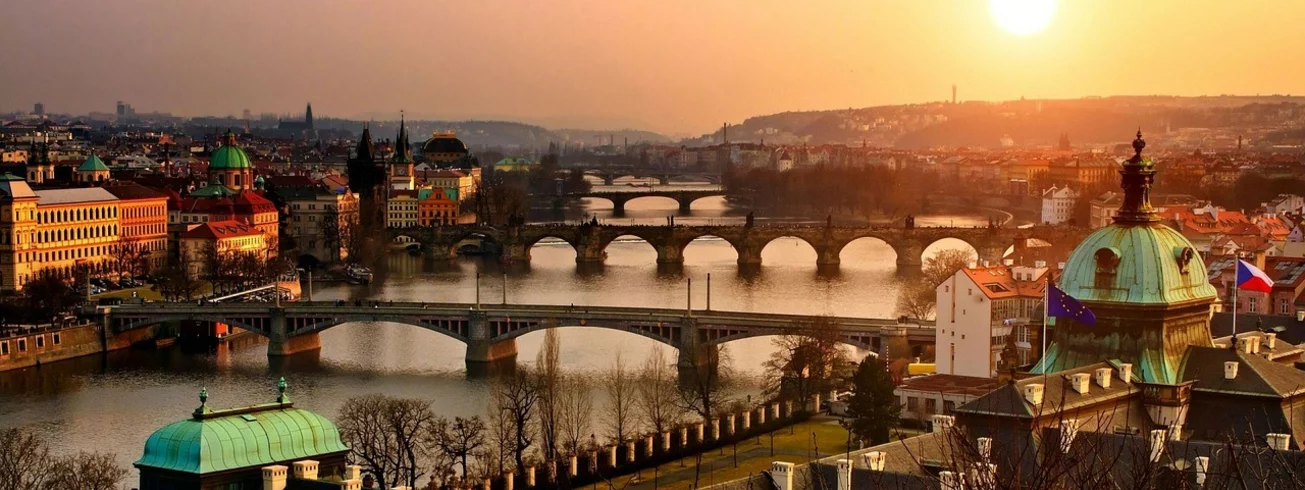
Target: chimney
point(1102, 376)
point(781, 473)
point(985, 447)
point(943, 422)
point(1033, 393)
point(353, 472)
point(1040, 264)
point(1270, 339)
point(1230, 370)
point(351, 485)
point(274, 477)
point(875, 460)
point(1202, 469)
point(983, 475)
point(1278, 441)
point(1174, 432)
point(1126, 372)
point(948, 480)
point(1247, 345)
point(1060, 266)
point(1080, 382)
point(305, 470)
point(1068, 431)
point(1157, 444)
point(844, 474)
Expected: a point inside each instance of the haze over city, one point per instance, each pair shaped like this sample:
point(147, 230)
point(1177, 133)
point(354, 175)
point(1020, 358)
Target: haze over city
point(673, 66)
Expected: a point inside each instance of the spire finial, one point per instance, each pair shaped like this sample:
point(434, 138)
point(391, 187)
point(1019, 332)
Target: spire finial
point(280, 388)
point(203, 396)
point(202, 409)
point(1138, 145)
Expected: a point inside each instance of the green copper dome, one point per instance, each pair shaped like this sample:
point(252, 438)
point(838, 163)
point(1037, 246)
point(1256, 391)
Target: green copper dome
point(1136, 264)
point(1145, 283)
point(229, 156)
point(252, 437)
point(93, 164)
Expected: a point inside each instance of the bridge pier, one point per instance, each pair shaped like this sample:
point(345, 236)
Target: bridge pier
point(516, 253)
point(685, 204)
point(618, 206)
point(827, 259)
point(589, 253)
point(609, 179)
point(670, 254)
point(664, 179)
point(282, 343)
point(749, 257)
point(483, 351)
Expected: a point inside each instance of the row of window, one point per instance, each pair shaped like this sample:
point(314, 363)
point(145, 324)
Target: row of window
point(144, 212)
point(21, 344)
point(913, 405)
point(80, 214)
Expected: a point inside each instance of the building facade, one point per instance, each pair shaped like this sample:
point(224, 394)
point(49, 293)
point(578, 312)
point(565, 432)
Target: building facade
point(1058, 205)
point(67, 232)
point(980, 311)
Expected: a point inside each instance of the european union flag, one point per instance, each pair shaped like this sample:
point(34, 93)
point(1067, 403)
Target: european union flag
point(1062, 305)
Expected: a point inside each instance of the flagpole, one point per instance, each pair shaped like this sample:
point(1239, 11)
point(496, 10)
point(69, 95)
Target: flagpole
point(1234, 305)
point(1046, 304)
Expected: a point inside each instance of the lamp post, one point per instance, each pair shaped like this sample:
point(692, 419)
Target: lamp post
point(505, 287)
point(477, 290)
point(688, 304)
point(708, 291)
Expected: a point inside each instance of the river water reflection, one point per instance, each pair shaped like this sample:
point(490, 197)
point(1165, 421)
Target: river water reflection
point(113, 402)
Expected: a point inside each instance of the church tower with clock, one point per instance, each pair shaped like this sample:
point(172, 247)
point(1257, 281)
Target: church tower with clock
point(402, 167)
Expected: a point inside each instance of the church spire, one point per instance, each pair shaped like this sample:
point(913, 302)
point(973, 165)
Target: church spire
point(366, 149)
point(1138, 174)
point(402, 149)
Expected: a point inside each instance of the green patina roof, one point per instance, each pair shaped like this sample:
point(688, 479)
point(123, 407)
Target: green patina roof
point(212, 190)
point(229, 157)
point(93, 164)
point(1152, 268)
point(251, 437)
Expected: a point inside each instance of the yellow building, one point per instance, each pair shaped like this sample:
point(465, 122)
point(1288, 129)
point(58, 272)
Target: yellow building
point(401, 209)
point(464, 183)
point(436, 208)
point(226, 238)
point(311, 211)
point(67, 231)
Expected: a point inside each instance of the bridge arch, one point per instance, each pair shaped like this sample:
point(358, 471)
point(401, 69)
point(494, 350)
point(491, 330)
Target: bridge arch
point(706, 241)
point(806, 252)
point(305, 325)
point(665, 333)
point(257, 325)
point(863, 342)
point(864, 246)
point(629, 241)
point(949, 242)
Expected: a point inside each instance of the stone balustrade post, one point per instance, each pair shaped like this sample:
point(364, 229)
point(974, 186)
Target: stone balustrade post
point(729, 424)
point(509, 478)
point(747, 420)
point(715, 429)
point(761, 415)
point(698, 427)
point(774, 411)
point(611, 456)
point(629, 452)
point(530, 476)
point(649, 445)
point(666, 441)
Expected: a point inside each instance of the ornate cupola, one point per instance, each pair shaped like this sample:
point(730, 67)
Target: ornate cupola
point(1145, 283)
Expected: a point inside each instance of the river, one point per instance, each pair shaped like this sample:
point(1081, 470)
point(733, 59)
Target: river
point(113, 402)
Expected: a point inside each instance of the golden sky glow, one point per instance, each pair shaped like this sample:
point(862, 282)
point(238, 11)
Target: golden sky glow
point(674, 66)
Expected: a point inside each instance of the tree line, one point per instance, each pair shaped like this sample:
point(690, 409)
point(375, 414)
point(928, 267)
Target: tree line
point(543, 413)
point(867, 191)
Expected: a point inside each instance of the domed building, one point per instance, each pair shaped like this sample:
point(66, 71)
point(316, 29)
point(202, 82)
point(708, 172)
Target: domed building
point(1145, 283)
point(443, 148)
point(272, 445)
point(92, 170)
point(229, 166)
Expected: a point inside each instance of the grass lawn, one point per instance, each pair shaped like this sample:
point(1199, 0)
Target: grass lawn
point(147, 293)
point(796, 444)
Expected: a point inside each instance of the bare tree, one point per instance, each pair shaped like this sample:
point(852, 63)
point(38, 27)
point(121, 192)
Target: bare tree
point(25, 460)
point(918, 296)
point(459, 439)
point(575, 408)
point(548, 368)
point(386, 435)
point(807, 363)
point(516, 396)
point(705, 383)
point(657, 398)
point(620, 386)
point(86, 471)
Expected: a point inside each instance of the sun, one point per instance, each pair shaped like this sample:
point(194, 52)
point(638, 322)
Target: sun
point(1022, 17)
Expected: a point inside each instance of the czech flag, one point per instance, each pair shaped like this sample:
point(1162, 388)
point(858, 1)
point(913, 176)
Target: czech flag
point(1251, 278)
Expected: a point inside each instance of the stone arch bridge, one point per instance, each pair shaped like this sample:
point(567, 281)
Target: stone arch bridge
point(590, 241)
point(684, 198)
point(490, 331)
point(609, 175)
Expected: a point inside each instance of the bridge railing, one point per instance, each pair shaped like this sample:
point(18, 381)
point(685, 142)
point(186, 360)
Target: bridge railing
point(361, 307)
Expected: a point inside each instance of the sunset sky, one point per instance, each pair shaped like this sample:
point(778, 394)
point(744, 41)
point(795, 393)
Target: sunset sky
point(671, 66)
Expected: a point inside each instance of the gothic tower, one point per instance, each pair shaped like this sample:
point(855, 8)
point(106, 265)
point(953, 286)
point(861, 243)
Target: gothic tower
point(400, 174)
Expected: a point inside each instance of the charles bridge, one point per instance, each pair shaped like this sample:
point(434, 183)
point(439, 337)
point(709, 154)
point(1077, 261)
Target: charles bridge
point(490, 331)
point(609, 174)
point(590, 241)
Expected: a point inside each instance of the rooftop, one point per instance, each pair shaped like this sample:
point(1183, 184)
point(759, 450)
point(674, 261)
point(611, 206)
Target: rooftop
point(72, 196)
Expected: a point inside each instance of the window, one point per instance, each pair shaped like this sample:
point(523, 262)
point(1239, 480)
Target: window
point(22, 345)
point(912, 403)
point(4, 348)
point(1285, 306)
point(948, 406)
point(57, 339)
point(1252, 304)
point(930, 405)
point(40, 341)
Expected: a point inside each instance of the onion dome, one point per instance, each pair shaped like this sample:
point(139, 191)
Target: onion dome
point(229, 156)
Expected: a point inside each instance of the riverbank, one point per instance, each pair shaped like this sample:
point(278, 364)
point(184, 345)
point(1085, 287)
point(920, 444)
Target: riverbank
point(25, 347)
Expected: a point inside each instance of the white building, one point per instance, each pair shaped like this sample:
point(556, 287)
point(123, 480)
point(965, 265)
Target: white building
point(1058, 205)
point(978, 308)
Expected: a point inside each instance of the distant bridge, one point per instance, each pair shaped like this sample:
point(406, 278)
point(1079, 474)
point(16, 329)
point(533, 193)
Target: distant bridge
point(590, 242)
point(490, 331)
point(618, 199)
point(663, 176)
